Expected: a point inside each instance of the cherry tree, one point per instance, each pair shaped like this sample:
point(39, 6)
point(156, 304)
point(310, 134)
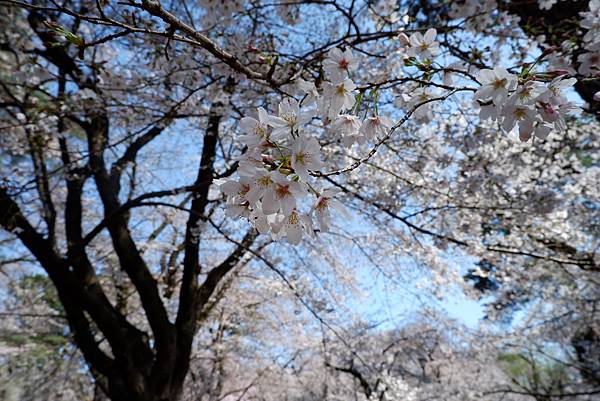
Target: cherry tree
point(151, 151)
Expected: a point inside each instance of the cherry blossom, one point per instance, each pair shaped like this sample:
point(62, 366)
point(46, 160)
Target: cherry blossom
point(282, 195)
point(262, 182)
point(306, 154)
point(374, 126)
point(546, 4)
point(591, 22)
point(292, 227)
point(524, 115)
point(256, 130)
point(348, 127)
point(488, 111)
point(495, 85)
point(324, 203)
point(527, 93)
point(236, 191)
point(259, 220)
point(339, 97)
point(589, 63)
point(338, 64)
point(419, 98)
point(308, 90)
point(554, 93)
point(290, 117)
point(424, 45)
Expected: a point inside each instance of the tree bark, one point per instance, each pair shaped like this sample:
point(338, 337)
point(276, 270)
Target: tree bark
point(136, 368)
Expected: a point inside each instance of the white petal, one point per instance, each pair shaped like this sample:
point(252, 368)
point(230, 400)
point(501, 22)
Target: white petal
point(430, 35)
point(288, 204)
point(248, 124)
point(262, 114)
point(269, 203)
point(486, 76)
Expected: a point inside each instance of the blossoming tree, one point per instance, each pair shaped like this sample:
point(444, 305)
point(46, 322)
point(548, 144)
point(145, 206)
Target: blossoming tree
point(152, 149)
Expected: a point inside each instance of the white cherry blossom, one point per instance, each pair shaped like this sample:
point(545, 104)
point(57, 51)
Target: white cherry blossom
point(290, 117)
point(348, 127)
point(375, 125)
point(495, 85)
point(590, 63)
point(339, 63)
point(306, 154)
point(262, 183)
point(591, 21)
point(259, 220)
point(546, 4)
point(251, 160)
point(524, 115)
point(282, 195)
point(542, 130)
point(488, 111)
point(256, 130)
point(326, 202)
point(308, 90)
point(423, 45)
point(554, 93)
point(235, 190)
point(292, 226)
point(527, 93)
point(339, 96)
point(420, 97)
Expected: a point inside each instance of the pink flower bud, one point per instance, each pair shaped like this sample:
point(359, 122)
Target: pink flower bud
point(404, 41)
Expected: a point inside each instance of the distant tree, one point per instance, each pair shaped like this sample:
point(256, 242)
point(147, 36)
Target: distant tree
point(151, 150)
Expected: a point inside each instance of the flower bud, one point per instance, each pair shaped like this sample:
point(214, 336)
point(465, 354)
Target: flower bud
point(403, 39)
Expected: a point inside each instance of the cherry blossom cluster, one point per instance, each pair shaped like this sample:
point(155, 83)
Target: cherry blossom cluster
point(468, 8)
point(393, 388)
point(421, 46)
point(337, 102)
point(386, 12)
point(590, 60)
point(274, 174)
point(276, 189)
point(418, 48)
point(534, 106)
point(471, 8)
point(481, 15)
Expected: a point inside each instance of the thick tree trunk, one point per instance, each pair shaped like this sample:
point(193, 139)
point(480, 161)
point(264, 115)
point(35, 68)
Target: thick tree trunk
point(129, 385)
point(136, 368)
